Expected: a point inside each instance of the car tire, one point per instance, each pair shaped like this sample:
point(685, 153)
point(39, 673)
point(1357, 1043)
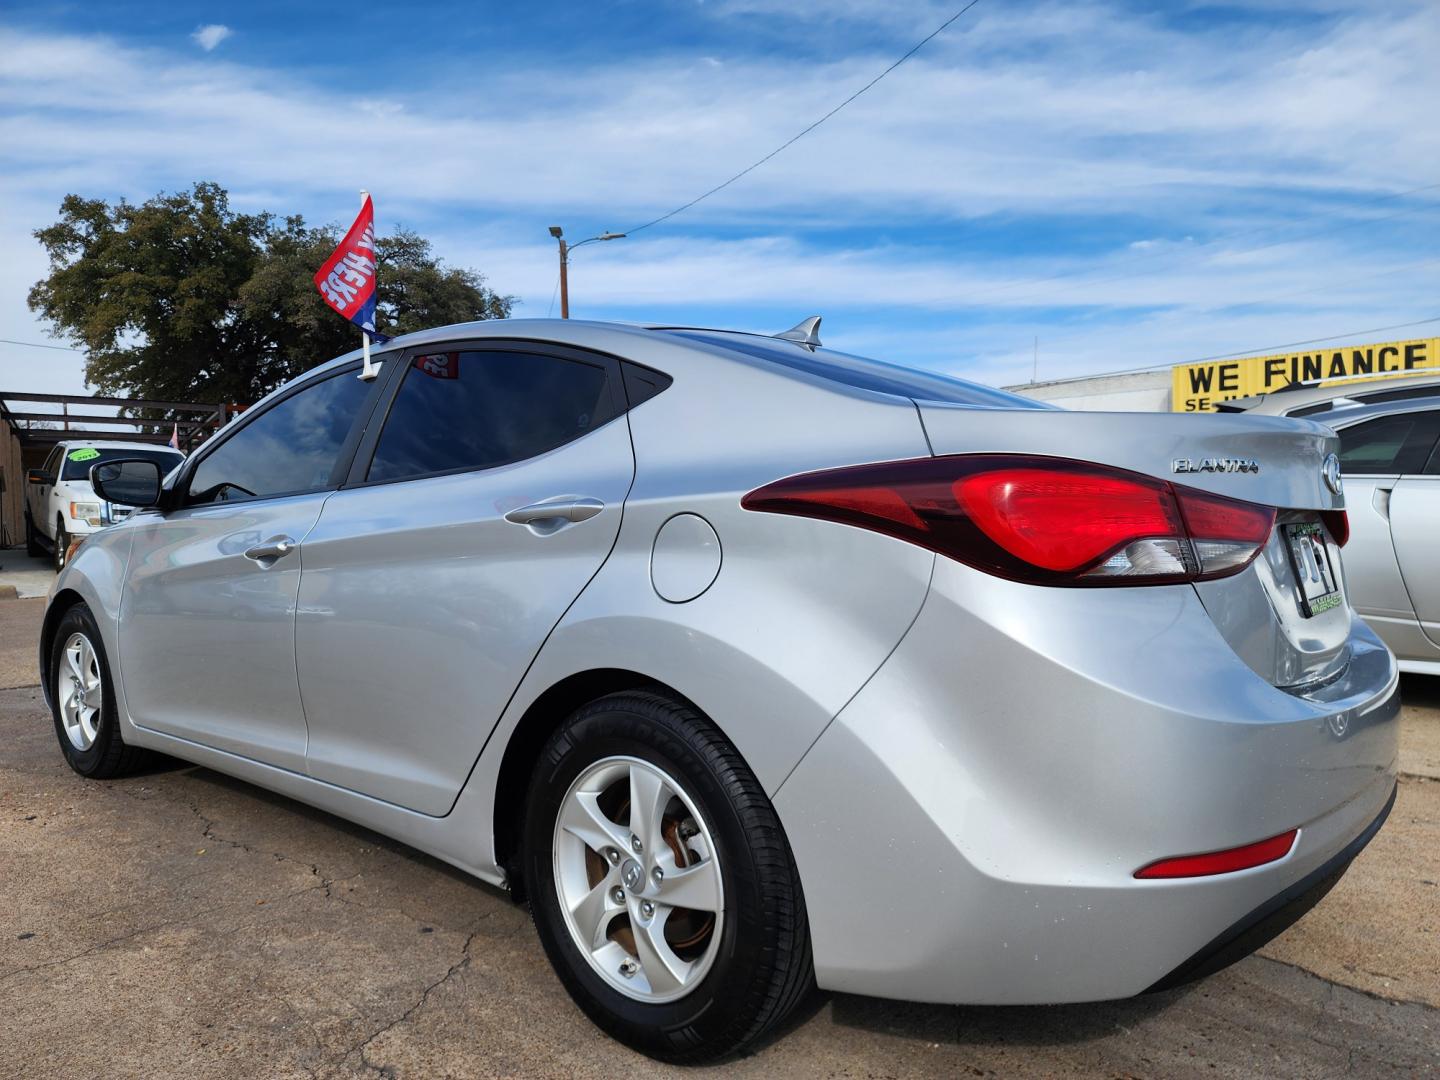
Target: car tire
point(62, 541)
point(755, 965)
point(89, 734)
point(32, 539)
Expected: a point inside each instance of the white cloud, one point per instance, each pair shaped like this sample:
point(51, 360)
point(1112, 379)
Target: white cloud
point(210, 35)
point(1058, 115)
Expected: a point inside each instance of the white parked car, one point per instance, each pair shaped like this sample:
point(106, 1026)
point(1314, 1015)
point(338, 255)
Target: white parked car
point(60, 504)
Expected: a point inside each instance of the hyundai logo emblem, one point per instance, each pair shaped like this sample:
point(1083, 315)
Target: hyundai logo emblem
point(1331, 471)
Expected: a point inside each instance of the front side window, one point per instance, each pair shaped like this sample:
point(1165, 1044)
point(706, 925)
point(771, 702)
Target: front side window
point(480, 409)
point(1389, 444)
point(289, 449)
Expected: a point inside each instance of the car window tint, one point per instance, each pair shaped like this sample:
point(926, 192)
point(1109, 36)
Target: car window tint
point(1389, 444)
point(290, 448)
point(80, 470)
point(476, 410)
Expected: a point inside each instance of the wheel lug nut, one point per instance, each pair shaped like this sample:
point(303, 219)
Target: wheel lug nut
point(613, 856)
point(635, 844)
point(647, 909)
point(658, 875)
point(617, 894)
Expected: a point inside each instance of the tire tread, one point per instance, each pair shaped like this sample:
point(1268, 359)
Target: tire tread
point(788, 961)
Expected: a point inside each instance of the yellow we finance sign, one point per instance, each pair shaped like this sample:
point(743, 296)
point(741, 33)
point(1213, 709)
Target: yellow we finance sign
point(1197, 387)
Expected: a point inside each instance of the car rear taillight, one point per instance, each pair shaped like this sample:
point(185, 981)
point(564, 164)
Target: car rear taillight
point(1046, 520)
point(1338, 522)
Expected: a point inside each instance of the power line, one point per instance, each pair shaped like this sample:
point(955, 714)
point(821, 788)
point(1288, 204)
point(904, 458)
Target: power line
point(1264, 301)
point(1264, 350)
point(553, 293)
point(1308, 341)
point(40, 345)
point(1083, 281)
point(797, 137)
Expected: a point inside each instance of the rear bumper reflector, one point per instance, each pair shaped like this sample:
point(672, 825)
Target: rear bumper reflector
point(1222, 862)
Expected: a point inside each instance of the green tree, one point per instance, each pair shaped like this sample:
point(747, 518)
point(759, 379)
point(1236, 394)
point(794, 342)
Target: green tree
point(181, 298)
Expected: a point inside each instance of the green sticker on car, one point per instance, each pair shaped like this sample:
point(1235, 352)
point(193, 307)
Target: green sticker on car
point(87, 454)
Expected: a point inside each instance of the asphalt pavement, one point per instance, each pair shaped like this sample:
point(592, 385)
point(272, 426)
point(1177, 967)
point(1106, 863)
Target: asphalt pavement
point(183, 924)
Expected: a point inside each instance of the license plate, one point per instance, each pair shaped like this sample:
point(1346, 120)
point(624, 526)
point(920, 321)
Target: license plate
point(1310, 558)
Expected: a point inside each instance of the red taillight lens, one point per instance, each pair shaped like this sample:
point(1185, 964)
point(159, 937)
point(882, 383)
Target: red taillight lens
point(1065, 519)
point(1046, 520)
point(1222, 862)
point(1338, 522)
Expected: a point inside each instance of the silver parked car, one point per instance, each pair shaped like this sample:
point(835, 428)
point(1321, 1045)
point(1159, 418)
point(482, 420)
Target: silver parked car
point(757, 666)
point(1390, 454)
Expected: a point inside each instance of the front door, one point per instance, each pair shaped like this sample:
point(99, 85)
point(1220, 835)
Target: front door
point(493, 496)
point(207, 621)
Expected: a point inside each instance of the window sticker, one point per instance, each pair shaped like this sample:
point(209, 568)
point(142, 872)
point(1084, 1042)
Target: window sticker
point(87, 454)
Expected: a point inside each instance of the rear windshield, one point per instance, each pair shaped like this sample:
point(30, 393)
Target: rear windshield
point(79, 460)
point(863, 373)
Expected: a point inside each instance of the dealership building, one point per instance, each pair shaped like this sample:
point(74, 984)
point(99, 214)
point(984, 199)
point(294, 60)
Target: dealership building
point(1198, 387)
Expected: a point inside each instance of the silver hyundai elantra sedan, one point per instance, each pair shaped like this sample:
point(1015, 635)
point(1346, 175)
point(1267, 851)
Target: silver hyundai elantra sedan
point(754, 666)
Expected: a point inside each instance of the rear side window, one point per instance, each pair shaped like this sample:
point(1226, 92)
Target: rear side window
point(1389, 444)
point(290, 448)
point(479, 409)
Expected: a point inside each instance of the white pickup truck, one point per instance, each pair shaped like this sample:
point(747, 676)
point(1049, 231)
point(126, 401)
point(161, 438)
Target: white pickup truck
point(60, 504)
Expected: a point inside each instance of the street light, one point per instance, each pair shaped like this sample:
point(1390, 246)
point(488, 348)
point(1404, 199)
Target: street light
point(565, 250)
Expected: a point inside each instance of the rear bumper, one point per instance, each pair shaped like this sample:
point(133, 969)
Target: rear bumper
point(968, 828)
point(1276, 915)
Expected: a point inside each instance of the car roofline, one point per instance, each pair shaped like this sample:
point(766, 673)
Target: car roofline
point(1352, 415)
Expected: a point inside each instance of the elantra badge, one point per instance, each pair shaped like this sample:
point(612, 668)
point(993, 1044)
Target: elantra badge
point(1215, 464)
point(1331, 472)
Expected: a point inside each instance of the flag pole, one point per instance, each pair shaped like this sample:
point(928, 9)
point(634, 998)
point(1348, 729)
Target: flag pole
point(369, 370)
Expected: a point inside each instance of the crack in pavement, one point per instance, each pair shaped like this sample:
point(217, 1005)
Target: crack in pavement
point(1348, 986)
point(385, 1070)
point(162, 924)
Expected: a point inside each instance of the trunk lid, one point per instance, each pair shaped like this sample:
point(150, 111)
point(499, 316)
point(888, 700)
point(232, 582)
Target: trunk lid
point(1265, 612)
point(1217, 449)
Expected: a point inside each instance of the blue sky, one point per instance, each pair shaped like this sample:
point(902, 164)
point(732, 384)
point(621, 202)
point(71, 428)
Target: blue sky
point(1130, 184)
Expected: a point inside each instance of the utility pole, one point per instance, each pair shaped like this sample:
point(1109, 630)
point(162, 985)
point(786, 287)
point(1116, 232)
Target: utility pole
point(565, 250)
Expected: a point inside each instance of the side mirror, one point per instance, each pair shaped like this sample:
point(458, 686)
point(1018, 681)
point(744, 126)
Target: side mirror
point(127, 481)
point(39, 476)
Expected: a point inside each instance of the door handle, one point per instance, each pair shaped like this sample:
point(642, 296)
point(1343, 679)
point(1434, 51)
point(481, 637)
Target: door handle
point(277, 547)
point(556, 510)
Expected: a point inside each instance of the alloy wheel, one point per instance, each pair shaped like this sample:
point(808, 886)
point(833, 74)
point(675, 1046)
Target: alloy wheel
point(638, 879)
point(80, 689)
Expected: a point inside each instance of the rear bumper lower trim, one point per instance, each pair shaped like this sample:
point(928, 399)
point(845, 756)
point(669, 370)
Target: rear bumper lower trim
point(1274, 916)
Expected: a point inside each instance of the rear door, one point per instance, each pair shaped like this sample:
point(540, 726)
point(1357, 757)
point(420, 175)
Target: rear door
point(1415, 524)
point(473, 517)
point(207, 621)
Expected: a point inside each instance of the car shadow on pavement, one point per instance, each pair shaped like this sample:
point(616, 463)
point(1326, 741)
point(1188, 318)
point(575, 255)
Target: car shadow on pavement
point(1000, 1025)
point(1420, 690)
point(372, 840)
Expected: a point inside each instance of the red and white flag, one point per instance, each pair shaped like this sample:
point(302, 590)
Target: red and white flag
point(347, 280)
